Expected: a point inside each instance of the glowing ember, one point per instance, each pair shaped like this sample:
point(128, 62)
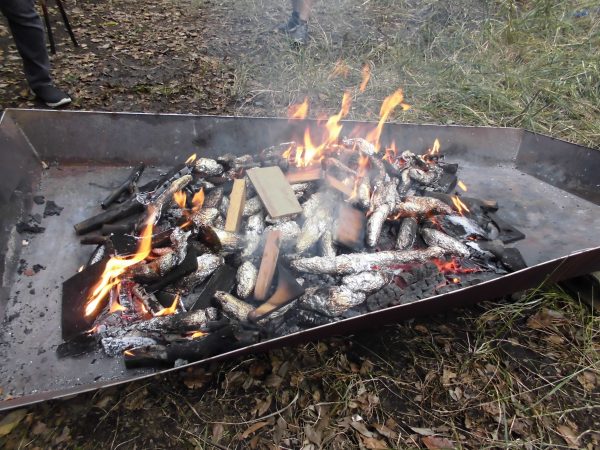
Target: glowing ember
point(299, 111)
point(391, 153)
point(170, 310)
point(198, 200)
point(459, 205)
point(116, 266)
point(180, 198)
point(462, 185)
point(456, 280)
point(366, 75)
point(191, 159)
point(387, 107)
point(453, 266)
point(196, 334)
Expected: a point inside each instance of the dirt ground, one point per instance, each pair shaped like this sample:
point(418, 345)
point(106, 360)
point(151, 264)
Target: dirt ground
point(520, 372)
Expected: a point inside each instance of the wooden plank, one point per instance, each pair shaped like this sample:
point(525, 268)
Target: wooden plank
point(311, 173)
point(237, 200)
point(274, 191)
point(350, 229)
point(268, 265)
point(340, 186)
point(287, 291)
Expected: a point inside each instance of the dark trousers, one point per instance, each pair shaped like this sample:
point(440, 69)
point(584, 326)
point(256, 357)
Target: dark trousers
point(28, 33)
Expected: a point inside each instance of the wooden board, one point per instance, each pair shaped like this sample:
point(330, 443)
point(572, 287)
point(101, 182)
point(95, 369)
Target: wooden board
point(305, 174)
point(287, 291)
point(237, 200)
point(274, 191)
point(268, 264)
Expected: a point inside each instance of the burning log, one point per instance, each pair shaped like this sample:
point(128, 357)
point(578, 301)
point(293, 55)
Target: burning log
point(246, 279)
point(236, 206)
point(274, 191)
point(149, 301)
point(127, 186)
point(440, 239)
point(268, 265)
point(114, 346)
point(407, 233)
point(363, 262)
point(125, 209)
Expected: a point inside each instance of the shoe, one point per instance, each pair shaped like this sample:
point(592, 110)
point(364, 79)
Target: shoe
point(300, 34)
point(290, 25)
point(51, 96)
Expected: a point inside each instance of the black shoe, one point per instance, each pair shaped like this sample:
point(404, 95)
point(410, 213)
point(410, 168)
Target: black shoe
point(51, 96)
point(300, 34)
point(290, 25)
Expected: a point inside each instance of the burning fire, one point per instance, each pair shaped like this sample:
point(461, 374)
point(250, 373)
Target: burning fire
point(116, 266)
point(387, 107)
point(453, 266)
point(170, 310)
point(459, 205)
point(191, 159)
point(366, 75)
point(196, 334)
point(435, 150)
point(299, 111)
point(462, 185)
point(180, 198)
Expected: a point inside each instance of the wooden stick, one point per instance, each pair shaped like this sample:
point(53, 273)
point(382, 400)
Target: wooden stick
point(267, 265)
point(311, 173)
point(126, 186)
point(274, 191)
point(237, 200)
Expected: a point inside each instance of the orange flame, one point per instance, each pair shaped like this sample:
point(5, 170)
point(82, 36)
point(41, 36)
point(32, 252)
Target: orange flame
point(459, 205)
point(180, 198)
point(191, 159)
point(170, 310)
point(115, 306)
point(363, 164)
point(435, 150)
point(366, 75)
point(198, 200)
point(196, 334)
point(462, 185)
point(391, 153)
point(128, 353)
point(387, 107)
point(118, 265)
point(298, 111)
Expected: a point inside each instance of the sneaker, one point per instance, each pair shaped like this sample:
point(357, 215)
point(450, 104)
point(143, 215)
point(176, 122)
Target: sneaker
point(300, 34)
point(290, 25)
point(51, 96)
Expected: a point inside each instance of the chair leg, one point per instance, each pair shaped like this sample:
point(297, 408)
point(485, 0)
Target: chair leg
point(63, 13)
point(48, 26)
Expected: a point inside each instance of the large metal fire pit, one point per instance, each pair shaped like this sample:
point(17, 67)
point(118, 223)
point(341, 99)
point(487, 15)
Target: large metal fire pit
point(547, 188)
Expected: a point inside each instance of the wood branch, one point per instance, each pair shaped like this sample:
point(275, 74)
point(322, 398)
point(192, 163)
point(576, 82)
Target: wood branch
point(287, 291)
point(127, 186)
point(339, 185)
point(311, 173)
point(237, 200)
point(118, 212)
point(274, 191)
point(268, 265)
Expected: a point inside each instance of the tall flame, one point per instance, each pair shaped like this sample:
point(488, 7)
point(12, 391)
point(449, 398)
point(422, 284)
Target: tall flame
point(191, 159)
point(387, 107)
point(299, 111)
point(118, 265)
point(180, 198)
point(459, 205)
point(198, 200)
point(462, 185)
point(435, 150)
point(366, 75)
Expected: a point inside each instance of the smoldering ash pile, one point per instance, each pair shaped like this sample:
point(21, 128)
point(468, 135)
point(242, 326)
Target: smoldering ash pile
point(222, 253)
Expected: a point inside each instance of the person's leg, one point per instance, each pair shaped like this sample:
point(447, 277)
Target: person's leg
point(28, 33)
point(303, 8)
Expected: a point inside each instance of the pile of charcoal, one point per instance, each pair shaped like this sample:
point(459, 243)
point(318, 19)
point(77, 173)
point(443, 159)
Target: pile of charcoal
point(220, 253)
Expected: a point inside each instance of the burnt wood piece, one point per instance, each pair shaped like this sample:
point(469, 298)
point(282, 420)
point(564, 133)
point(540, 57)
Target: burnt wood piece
point(148, 299)
point(187, 266)
point(127, 186)
point(274, 191)
point(311, 173)
point(268, 265)
point(350, 228)
point(126, 227)
point(451, 168)
point(219, 341)
point(287, 291)
point(508, 233)
point(222, 279)
point(165, 181)
point(93, 239)
point(471, 202)
point(237, 199)
point(125, 209)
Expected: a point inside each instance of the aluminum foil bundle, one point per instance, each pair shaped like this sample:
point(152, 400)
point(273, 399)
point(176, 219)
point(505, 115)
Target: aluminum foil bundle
point(331, 302)
point(440, 239)
point(246, 279)
point(366, 282)
point(207, 264)
point(208, 167)
point(407, 233)
point(421, 206)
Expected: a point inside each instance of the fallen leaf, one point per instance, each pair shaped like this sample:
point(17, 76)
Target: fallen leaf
point(252, 428)
point(217, 431)
point(423, 431)
point(386, 432)
point(273, 381)
point(544, 318)
point(39, 428)
point(447, 376)
point(313, 435)
point(569, 435)
point(437, 443)
point(587, 380)
point(374, 444)
point(11, 421)
point(361, 428)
